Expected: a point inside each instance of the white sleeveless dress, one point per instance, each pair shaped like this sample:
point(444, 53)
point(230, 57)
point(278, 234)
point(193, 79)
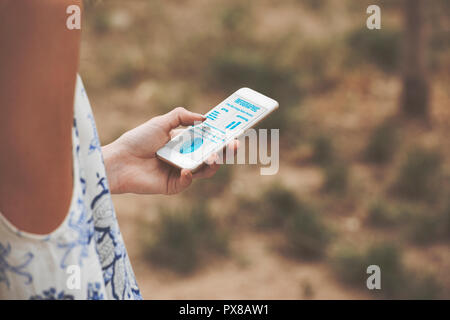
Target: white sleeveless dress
point(85, 257)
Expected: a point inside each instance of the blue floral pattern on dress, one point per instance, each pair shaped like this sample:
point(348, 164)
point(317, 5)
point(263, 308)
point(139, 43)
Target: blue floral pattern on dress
point(95, 141)
point(52, 294)
point(104, 190)
point(84, 229)
point(6, 267)
point(94, 291)
point(117, 272)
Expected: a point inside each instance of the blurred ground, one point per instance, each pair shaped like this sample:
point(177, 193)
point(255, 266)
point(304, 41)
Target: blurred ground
point(143, 57)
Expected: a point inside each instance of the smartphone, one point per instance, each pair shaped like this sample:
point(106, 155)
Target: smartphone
point(225, 122)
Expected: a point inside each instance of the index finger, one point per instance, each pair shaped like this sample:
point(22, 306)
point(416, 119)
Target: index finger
point(180, 116)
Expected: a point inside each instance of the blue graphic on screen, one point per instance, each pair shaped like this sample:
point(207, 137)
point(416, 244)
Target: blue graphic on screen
point(232, 125)
point(213, 115)
point(191, 145)
point(232, 115)
point(241, 117)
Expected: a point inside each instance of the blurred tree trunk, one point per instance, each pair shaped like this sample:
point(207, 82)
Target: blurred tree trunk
point(415, 95)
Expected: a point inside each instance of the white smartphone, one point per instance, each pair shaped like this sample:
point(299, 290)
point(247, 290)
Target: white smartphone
point(225, 122)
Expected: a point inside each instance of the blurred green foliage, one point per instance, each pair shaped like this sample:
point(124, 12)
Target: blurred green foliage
point(234, 17)
point(421, 224)
point(337, 177)
point(101, 23)
point(381, 48)
point(127, 76)
point(278, 205)
point(314, 4)
point(382, 143)
point(238, 68)
point(306, 235)
point(420, 175)
point(336, 170)
point(430, 226)
point(323, 150)
point(382, 214)
point(182, 240)
point(397, 282)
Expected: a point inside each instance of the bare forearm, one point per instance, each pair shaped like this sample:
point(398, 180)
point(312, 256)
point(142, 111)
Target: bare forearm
point(38, 63)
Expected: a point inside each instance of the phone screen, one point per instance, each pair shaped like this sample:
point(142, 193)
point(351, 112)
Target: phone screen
point(223, 123)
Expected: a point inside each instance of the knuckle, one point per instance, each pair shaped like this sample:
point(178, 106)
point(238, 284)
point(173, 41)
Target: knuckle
point(179, 110)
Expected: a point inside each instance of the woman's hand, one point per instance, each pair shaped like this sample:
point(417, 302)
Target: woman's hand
point(131, 163)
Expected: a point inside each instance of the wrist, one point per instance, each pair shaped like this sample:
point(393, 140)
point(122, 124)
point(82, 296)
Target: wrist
point(112, 157)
